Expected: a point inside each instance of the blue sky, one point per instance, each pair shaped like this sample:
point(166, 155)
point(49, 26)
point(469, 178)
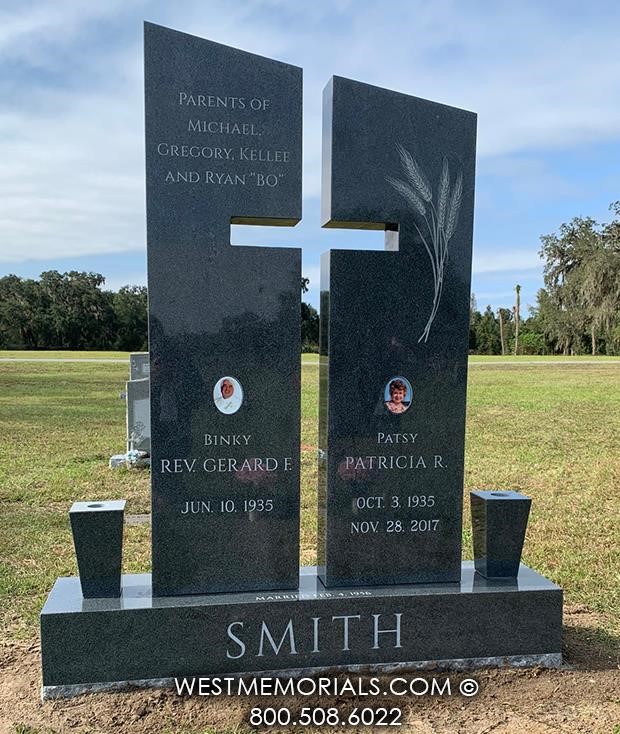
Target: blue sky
point(544, 78)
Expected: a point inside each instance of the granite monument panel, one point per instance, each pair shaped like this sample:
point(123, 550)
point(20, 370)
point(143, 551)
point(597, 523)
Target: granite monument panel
point(223, 145)
point(394, 337)
point(473, 623)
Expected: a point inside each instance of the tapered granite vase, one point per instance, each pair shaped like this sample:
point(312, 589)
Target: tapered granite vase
point(499, 520)
point(97, 529)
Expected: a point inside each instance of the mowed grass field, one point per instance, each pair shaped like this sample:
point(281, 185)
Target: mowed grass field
point(549, 430)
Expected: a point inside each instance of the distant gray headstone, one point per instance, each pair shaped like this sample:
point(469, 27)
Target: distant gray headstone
point(394, 337)
point(223, 145)
point(138, 415)
point(139, 367)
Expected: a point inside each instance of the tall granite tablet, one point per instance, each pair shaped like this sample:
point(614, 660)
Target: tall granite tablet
point(223, 145)
point(394, 329)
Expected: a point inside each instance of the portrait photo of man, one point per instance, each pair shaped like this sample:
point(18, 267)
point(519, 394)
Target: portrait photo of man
point(227, 395)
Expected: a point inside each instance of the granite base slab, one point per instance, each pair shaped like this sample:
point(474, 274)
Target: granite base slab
point(138, 639)
point(550, 660)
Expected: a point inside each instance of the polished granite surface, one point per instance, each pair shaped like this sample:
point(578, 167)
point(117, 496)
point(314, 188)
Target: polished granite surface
point(137, 593)
point(139, 637)
point(391, 468)
point(223, 145)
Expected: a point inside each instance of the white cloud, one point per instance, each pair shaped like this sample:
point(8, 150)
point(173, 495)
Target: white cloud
point(514, 261)
point(126, 278)
point(72, 184)
point(529, 175)
point(37, 32)
point(313, 272)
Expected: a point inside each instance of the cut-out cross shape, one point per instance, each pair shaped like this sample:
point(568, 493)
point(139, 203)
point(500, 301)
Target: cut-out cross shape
point(394, 336)
point(223, 145)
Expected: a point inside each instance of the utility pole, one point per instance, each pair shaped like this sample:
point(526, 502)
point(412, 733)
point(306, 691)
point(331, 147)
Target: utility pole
point(517, 317)
point(501, 330)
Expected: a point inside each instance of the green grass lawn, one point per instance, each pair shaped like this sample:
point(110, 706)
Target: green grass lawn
point(552, 358)
point(550, 431)
point(58, 354)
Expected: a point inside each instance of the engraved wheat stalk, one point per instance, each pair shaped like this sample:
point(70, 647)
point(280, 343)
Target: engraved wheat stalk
point(439, 222)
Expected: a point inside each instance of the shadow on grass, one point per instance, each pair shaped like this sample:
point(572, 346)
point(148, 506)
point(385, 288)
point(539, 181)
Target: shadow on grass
point(590, 648)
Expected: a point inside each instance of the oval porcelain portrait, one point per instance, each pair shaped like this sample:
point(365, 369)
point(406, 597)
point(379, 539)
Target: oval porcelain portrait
point(397, 395)
point(228, 395)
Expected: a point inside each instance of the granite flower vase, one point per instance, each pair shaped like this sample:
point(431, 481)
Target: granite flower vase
point(97, 529)
point(499, 521)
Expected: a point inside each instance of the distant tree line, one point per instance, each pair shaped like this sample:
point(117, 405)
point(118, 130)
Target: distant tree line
point(309, 328)
point(578, 310)
point(309, 323)
point(71, 311)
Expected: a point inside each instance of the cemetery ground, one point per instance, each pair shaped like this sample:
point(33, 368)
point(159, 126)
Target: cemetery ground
point(550, 430)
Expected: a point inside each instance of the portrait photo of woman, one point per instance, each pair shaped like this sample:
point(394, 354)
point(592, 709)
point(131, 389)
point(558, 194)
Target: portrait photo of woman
point(397, 395)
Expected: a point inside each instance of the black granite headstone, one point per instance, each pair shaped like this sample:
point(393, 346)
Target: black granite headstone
point(224, 329)
point(223, 145)
point(394, 336)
